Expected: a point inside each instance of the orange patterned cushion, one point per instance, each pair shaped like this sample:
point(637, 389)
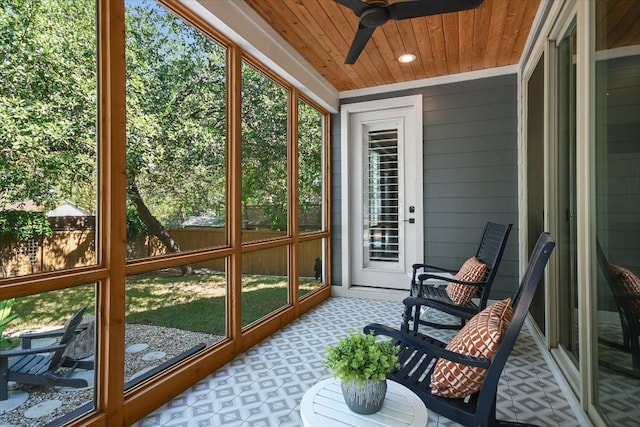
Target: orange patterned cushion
point(471, 271)
point(480, 337)
point(631, 282)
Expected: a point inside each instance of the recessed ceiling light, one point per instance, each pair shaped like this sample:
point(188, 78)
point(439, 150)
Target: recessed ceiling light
point(407, 57)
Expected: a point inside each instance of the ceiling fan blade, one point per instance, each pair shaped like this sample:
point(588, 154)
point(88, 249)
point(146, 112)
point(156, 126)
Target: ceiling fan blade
point(359, 41)
point(356, 5)
point(416, 9)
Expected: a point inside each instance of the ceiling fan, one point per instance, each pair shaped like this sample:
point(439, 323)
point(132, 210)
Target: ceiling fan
point(374, 13)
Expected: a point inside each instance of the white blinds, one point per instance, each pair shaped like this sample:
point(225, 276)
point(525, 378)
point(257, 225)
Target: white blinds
point(382, 196)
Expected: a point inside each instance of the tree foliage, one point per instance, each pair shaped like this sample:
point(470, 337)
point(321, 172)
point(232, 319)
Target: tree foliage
point(23, 225)
point(176, 115)
point(309, 157)
point(176, 100)
point(264, 146)
point(47, 101)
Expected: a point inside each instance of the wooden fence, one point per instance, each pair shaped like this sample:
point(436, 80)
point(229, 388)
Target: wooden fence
point(76, 248)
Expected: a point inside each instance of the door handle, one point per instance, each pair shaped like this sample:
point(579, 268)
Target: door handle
point(410, 220)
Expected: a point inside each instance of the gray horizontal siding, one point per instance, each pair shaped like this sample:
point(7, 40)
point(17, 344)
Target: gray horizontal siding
point(470, 171)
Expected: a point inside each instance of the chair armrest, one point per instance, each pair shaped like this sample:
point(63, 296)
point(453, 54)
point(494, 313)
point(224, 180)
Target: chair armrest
point(414, 301)
point(44, 334)
point(25, 351)
point(433, 267)
point(30, 336)
point(449, 308)
point(432, 347)
point(424, 276)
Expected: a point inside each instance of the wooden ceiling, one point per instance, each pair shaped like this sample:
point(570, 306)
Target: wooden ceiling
point(492, 35)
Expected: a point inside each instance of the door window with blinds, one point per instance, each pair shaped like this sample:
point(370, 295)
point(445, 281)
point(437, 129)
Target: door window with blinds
point(381, 197)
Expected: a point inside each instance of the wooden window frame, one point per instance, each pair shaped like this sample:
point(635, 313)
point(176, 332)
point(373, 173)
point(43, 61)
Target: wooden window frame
point(113, 404)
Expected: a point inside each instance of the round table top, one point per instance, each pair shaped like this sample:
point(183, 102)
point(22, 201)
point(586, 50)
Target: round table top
point(323, 406)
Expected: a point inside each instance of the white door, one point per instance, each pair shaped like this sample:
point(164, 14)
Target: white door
point(385, 203)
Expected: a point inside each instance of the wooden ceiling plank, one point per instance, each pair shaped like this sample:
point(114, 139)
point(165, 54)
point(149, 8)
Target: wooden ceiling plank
point(390, 33)
point(436, 35)
point(525, 27)
point(465, 25)
point(632, 37)
point(321, 44)
point(615, 14)
point(451, 41)
point(497, 24)
point(345, 24)
point(626, 23)
point(322, 32)
point(305, 14)
point(408, 36)
point(424, 47)
point(603, 10)
point(286, 25)
point(383, 45)
point(513, 21)
point(481, 33)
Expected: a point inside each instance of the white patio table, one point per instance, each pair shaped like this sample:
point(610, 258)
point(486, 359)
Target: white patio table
point(323, 406)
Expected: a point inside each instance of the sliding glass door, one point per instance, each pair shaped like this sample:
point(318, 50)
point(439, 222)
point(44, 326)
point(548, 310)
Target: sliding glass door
point(567, 284)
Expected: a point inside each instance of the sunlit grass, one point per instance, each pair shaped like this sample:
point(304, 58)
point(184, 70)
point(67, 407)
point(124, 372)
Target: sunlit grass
point(195, 303)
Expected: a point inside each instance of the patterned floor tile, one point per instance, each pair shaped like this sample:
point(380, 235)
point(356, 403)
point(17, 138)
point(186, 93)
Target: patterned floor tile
point(263, 387)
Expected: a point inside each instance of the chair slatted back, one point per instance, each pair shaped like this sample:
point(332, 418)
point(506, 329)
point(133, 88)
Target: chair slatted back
point(492, 245)
point(521, 303)
point(68, 336)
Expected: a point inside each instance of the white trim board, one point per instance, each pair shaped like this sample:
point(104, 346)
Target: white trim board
point(433, 81)
point(242, 25)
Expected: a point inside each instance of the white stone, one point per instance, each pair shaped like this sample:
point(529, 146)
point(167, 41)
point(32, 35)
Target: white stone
point(42, 409)
point(154, 355)
point(136, 348)
point(16, 398)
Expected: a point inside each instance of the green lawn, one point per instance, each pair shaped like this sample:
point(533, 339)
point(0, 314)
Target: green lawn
point(195, 303)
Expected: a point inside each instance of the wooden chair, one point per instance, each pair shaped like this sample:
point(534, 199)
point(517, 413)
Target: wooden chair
point(39, 365)
point(492, 244)
point(628, 304)
point(418, 354)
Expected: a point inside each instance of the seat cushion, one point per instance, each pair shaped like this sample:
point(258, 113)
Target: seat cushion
point(632, 284)
point(480, 337)
point(471, 271)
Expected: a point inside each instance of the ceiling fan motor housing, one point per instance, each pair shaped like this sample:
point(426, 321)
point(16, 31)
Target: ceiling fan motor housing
point(374, 17)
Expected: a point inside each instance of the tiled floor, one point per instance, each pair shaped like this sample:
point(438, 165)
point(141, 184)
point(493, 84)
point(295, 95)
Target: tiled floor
point(264, 386)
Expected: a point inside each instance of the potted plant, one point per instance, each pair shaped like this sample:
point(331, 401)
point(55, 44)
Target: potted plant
point(361, 363)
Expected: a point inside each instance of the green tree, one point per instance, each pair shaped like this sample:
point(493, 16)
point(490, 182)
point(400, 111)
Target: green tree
point(309, 158)
point(264, 146)
point(47, 102)
point(176, 116)
point(176, 120)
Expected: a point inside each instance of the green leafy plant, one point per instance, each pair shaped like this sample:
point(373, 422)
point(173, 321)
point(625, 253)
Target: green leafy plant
point(361, 357)
point(5, 318)
point(23, 225)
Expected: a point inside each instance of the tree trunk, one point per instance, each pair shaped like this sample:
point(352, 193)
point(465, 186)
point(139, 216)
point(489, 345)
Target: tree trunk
point(154, 226)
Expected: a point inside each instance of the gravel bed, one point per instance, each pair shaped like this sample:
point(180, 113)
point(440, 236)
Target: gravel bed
point(160, 340)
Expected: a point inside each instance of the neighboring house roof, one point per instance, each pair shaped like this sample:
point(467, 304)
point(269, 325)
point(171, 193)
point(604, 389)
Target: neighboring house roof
point(67, 209)
point(204, 221)
point(26, 205)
